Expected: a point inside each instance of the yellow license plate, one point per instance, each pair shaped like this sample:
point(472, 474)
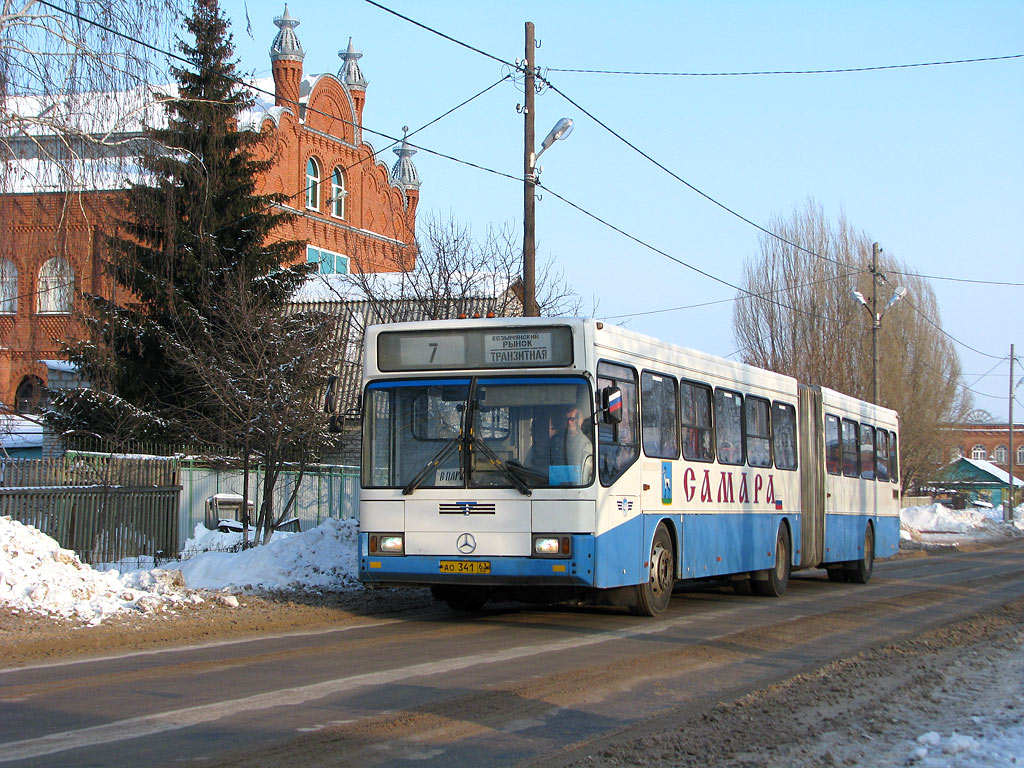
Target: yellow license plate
point(465, 566)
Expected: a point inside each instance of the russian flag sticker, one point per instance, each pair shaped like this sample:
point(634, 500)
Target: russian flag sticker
point(615, 402)
point(778, 504)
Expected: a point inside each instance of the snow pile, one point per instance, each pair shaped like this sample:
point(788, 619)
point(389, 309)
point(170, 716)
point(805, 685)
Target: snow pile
point(996, 746)
point(938, 524)
point(323, 558)
point(37, 576)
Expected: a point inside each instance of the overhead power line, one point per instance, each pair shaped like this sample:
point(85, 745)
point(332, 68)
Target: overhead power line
point(674, 175)
point(959, 279)
point(783, 71)
point(516, 178)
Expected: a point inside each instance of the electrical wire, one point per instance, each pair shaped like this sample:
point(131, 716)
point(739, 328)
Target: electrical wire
point(959, 279)
point(257, 89)
point(604, 125)
point(784, 71)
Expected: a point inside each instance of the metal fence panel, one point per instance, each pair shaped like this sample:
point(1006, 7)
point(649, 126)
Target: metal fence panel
point(326, 491)
point(107, 507)
point(100, 524)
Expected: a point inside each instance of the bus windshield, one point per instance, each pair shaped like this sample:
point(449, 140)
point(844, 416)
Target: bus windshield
point(520, 432)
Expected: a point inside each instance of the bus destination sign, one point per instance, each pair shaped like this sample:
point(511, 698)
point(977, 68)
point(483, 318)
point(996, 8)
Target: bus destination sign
point(451, 349)
point(517, 348)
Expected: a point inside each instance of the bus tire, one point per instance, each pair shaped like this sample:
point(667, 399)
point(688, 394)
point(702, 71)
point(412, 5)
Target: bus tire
point(778, 576)
point(653, 596)
point(836, 574)
point(859, 571)
point(461, 599)
point(743, 587)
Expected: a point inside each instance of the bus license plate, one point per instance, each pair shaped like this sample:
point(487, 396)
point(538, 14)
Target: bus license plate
point(465, 566)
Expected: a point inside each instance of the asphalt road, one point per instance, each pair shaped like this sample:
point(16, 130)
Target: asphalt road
point(509, 686)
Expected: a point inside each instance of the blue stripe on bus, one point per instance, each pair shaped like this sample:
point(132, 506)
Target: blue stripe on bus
point(395, 383)
point(711, 545)
point(573, 378)
point(844, 536)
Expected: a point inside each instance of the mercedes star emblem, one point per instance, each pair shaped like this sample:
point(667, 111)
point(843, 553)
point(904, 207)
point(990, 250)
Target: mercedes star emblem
point(466, 543)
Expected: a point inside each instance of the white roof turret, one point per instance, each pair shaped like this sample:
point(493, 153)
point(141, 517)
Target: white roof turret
point(403, 173)
point(350, 73)
point(286, 46)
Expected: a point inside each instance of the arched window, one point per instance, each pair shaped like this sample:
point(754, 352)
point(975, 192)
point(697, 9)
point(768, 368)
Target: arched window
point(1020, 456)
point(958, 452)
point(338, 193)
point(978, 452)
point(56, 285)
point(30, 396)
point(313, 184)
point(8, 287)
point(1000, 454)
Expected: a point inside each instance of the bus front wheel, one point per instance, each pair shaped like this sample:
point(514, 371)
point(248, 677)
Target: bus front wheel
point(461, 599)
point(653, 596)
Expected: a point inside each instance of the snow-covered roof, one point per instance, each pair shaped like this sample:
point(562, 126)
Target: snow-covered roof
point(988, 467)
point(389, 285)
point(17, 432)
point(60, 365)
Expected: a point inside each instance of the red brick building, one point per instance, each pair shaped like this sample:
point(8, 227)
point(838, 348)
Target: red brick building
point(354, 212)
point(987, 440)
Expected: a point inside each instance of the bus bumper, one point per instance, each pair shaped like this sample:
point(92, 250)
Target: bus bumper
point(428, 570)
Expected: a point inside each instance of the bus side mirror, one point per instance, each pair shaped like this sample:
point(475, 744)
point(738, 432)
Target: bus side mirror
point(331, 396)
point(611, 405)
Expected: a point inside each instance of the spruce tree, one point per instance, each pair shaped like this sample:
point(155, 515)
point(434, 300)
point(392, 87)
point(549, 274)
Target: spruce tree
point(194, 229)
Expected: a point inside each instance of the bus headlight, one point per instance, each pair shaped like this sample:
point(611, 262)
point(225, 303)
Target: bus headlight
point(387, 544)
point(552, 546)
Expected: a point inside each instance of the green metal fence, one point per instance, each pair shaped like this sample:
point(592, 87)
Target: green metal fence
point(100, 524)
point(109, 508)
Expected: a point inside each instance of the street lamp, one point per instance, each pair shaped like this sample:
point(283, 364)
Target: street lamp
point(561, 130)
point(876, 324)
point(532, 172)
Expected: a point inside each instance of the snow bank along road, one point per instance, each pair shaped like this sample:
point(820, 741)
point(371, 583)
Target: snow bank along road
point(508, 686)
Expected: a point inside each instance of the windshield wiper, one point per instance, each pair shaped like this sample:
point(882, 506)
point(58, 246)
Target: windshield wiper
point(440, 456)
point(496, 461)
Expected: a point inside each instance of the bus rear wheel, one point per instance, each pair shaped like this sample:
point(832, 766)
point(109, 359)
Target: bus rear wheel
point(859, 571)
point(777, 577)
point(653, 596)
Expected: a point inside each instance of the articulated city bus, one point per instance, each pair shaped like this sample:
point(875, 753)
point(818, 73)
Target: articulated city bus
point(545, 459)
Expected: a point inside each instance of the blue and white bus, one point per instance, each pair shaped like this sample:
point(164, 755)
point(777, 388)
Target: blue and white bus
point(545, 459)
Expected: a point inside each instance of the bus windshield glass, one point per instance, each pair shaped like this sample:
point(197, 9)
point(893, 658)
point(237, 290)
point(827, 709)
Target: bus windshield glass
point(503, 432)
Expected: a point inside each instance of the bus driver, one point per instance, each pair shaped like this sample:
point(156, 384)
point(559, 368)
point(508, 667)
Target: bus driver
point(568, 448)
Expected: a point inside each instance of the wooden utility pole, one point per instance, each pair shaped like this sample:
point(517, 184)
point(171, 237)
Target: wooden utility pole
point(529, 183)
point(1008, 505)
point(876, 323)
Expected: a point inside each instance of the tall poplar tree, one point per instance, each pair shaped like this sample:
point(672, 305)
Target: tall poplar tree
point(194, 230)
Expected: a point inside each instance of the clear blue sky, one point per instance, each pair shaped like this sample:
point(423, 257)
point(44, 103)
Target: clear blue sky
point(928, 161)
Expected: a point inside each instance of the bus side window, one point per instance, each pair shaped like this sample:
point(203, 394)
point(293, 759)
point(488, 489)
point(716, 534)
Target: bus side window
point(867, 452)
point(882, 455)
point(894, 467)
point(784, 435)
point(851, 449)
point(618, 444)
point(658, 415)
point(695, 414)
point(758, 432)
point(833, 446)
point(729, 426)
